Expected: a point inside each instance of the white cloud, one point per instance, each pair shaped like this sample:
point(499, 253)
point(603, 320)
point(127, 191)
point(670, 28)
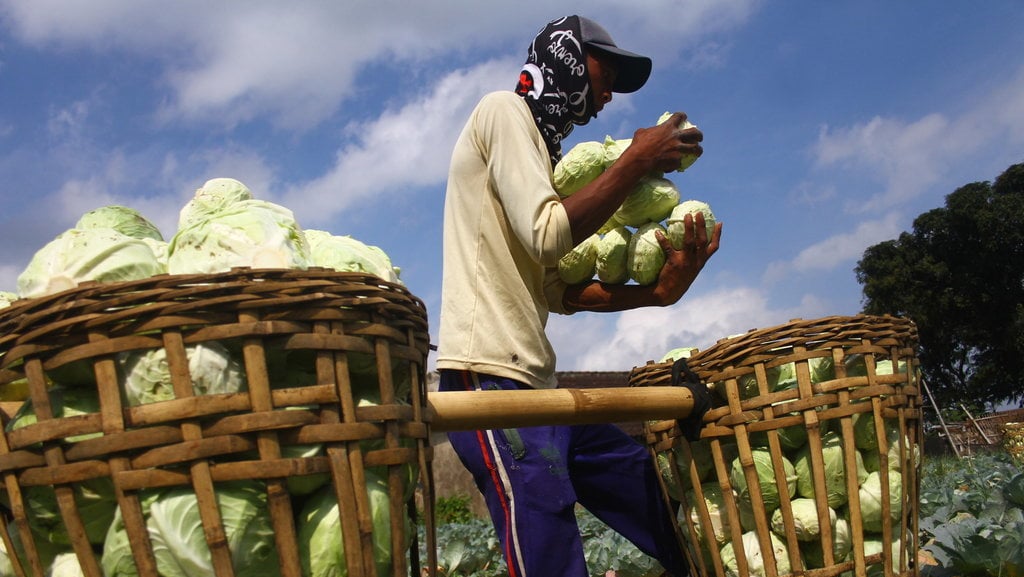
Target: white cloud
point(595, 342)
point(296, 62)
point(836, 250)
point(404, 148)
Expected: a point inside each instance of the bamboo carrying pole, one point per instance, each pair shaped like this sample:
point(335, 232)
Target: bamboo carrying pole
point(471, 410)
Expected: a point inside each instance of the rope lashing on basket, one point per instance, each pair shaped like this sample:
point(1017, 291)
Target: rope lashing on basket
point(683, 376)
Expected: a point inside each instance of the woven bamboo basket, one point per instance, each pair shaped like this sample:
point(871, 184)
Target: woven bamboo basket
point(808, 461)
point(330, 407)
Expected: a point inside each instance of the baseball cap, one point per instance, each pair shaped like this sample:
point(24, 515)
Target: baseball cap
point(633, 69)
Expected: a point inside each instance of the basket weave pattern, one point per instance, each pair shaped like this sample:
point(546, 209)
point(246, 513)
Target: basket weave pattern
point(325, 319)
point(717, 481)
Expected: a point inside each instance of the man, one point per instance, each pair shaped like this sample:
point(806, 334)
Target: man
point(505, 230)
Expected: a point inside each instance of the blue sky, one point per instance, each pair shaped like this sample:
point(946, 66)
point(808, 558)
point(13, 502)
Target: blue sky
point(828, 127)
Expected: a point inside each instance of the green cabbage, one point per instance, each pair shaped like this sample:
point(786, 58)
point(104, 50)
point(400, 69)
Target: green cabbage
point(215, 195)
point(871, 500)
point(80, 255)
point(320, 541)
point(806, 524)
point(613, 149)
point(834, 470)
point(124, 220)
point(578, 167)
point(94, 497)
point(580, 263)
point(842, 545)
point(146, 377)
point(65, 565)
point(644, 256)
point(714, 503)
point(651, 200)
point(756, 559)
point(765, 470)
point(247, 233)
point(6, 298)
point(874, 545)
point(346, 254)
point(688, 159)
point(612, 256)
point(678, 353)
point(178, 538)
point(675, 226)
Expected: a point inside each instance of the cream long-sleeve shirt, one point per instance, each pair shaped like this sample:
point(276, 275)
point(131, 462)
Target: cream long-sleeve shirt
point(504, 231)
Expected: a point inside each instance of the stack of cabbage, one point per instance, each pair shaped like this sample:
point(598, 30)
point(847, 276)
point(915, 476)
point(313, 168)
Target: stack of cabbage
point(625, 249)
point(223, 226)
point(795, 463)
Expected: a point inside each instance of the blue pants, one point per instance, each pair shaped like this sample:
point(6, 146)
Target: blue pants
point(533, 477)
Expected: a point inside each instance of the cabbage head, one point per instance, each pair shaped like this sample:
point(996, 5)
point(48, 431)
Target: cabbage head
point(871, 499)
point(179, 544)
point(80, 255)
point(834, 470)
point(320, 540)
point(756, 559)
point(874, 545)
point(65, 565)
point(678, 353)
point(842, 545)
point(613, 149)
point(688, 159)
point(6, 298)
point(645, 257)
point(247, 233)
point(806, 524)
point(674, 223)
point(214, 196)
point(346, 254)
point(612, 256)
point(578, 167)
point(95, 497)
point(651, 200)
point(579, 265)
point(714, 503)
point(765, 470)
point(146, 377)
point(702, 462)
point(124, 220)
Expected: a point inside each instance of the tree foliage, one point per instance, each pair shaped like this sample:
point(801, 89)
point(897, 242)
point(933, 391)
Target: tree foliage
point(959, 275)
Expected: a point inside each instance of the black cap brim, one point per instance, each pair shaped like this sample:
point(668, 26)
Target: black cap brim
point(632, 69)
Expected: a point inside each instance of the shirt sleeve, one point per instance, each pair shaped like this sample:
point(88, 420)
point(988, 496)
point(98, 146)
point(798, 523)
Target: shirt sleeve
point(520, 170)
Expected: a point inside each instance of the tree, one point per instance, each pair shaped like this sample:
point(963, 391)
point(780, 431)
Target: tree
point(959, 275)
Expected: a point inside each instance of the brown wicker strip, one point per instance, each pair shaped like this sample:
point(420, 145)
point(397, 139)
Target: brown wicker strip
point(333, 361)
point(789, 401)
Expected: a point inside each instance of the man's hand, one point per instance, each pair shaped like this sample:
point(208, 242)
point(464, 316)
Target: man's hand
point(682, 266)
point(663, 146)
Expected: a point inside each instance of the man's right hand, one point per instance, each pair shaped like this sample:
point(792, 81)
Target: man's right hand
point(663, 147)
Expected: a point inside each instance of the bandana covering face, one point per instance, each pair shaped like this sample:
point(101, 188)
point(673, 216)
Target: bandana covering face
point(555, 83)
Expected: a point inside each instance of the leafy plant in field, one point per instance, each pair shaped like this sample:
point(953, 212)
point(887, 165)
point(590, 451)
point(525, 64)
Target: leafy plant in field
point(972, 514)
point(470, 548)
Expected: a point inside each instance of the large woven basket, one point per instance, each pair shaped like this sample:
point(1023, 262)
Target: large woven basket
point(808, 462)
point(332, 406)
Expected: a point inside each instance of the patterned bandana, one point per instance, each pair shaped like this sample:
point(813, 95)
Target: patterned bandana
point(555, 83)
